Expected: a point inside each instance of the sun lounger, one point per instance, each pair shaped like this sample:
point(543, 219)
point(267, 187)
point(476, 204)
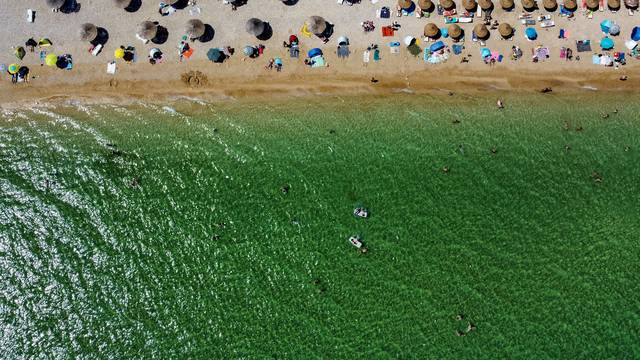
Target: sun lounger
point(450, 20)
point(465, 19)
point(547, 24)
point(96, 50)
point(457, 49)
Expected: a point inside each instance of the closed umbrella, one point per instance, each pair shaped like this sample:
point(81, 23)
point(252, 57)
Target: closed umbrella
point(606, 43)
point(122, 4)
point(255, 26)
point(215, 55)
point(593, 4)
point(88, 32)
point(485, 4)
point(550, 5)
point(425, 5)
point(570, 5)
point(481, 31)
point(147, 30)
point(469, 5)
point(55, 4)
point(505, 30)
point(194, 28)
point(316, 24)
point(454, 31)
point(506, 4)
point(531, 33)
point(447, 4)
point(431, 30)
point(613, 4)
point(529, 4)
point(51, 60)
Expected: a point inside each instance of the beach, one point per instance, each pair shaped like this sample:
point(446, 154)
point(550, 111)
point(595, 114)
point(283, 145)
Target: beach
point(237, 77)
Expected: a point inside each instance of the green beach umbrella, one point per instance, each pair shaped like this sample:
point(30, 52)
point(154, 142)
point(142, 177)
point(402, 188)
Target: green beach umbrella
point(13, 69)
point(51, 60)
point(44, 42)
point(215, 55)
point(20, 52)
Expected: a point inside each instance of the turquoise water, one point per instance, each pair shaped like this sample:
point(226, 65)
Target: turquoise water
point(150, 231)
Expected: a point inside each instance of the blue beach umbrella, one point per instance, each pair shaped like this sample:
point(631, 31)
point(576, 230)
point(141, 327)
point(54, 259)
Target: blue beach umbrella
point(531, 33)
point(249, 50)
point(605, 26)
point(314, 52)
point(438, 45)
point(635, 33)
point(215, 55)
point(606, 43)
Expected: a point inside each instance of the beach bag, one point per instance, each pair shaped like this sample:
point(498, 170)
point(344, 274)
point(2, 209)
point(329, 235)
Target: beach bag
point(385, 13)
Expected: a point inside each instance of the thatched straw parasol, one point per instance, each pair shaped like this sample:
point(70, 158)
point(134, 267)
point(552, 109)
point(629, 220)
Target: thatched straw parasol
point(481, 31)
point(505, 30)
point(425, 5)
point(431, 30)
point(593, 4)
point(255, 26)
point(613, 4)
point(88, 32)
point(122, 4)
point(447, 4)
point(550, 5)
point(485, 4)
point(454, 31)
point(147, 30)
point(469, 5)
point(316, 24)
point(529, 4)
point(506, 4)
point(404, 4)
point(55, 4)
point(194, 28)
point(570, 4)
point(631, 4)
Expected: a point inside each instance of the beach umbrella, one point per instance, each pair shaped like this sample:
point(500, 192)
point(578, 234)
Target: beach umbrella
point(613, 4)
point(88, 32)
point(342, 40)
point(55, 4)
point(314, 52)
point(20, 52)
point(485, 4)
point(122, 4)
point(505, 30)
point(425, 5)
point(506, 4)
point(431, 30)
point(614, 30)
point(529, 4)
point(405, 4)
point(194, 28)
point(215, 55)
point(570, 5)
point(409, 40)
point(119, 53)
point(531, 33)
point(155, 53)
point(51, 60)
point(549, 5)
point(481, 31)
point(606, 43)
point(44, 42)
point(454, 31)
point(249, 50)
point(630, 44)
point(469, 5)
point(438, 45)
point(13, 69)
point(447, 4)
point(605, 25)
point(255, 26)
point(316, 24)
point(147, 30)
point(635, 33)
point(592, 4)
point(631, 4)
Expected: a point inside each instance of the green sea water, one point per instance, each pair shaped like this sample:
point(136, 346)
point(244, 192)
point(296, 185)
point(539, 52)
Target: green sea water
point(145, 231)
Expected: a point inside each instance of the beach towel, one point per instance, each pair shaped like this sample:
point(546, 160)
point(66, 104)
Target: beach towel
point(457, 49)
point(583, 45)
point(563, 53)
point(387, 31)
point(595, 59)
point(444, 32)
point(485, 53)
point(385, 13)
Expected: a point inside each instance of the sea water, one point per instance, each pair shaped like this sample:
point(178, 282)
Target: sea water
point(162, 231)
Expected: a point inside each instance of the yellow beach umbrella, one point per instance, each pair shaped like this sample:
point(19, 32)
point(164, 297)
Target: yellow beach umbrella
point(13, 69)
point(51, 60)
point(119, 53)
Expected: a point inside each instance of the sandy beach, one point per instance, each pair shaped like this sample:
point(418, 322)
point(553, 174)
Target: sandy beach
point(239, 77)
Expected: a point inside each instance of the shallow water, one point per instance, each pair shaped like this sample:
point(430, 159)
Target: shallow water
point(161, 231)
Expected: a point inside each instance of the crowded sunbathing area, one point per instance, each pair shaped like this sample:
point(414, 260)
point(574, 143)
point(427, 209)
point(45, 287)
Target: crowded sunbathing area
point(74, 41)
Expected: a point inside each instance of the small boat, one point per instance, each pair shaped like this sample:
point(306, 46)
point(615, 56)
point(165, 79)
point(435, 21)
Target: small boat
point(356, 241)
point(361, 212)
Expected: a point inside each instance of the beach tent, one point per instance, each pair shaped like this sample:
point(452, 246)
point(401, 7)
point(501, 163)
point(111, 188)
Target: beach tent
point(318, 61)
point(635, 33)
point(314, 52)
point(194, 28)
point(605, 25)
point(531, 34)
point(606, 43)
point(215, 55)
point(255, 26)
point(485, 53)
point(51, 60)
point(438, 45)
point(88, 32)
